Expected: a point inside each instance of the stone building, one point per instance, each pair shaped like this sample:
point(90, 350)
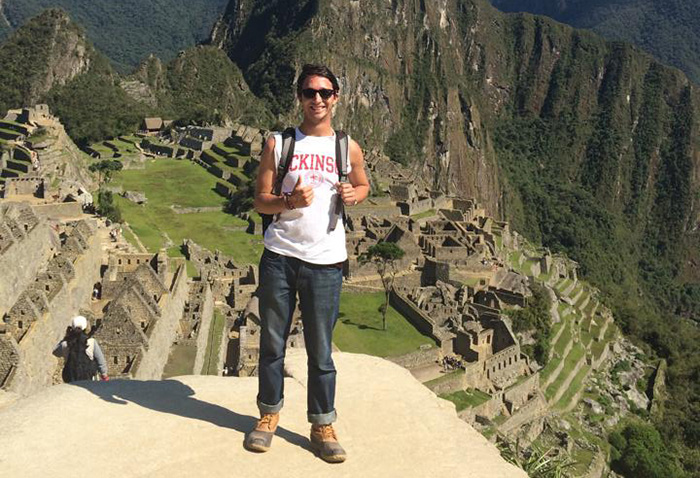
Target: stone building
point(231, 284)
point(146, 299)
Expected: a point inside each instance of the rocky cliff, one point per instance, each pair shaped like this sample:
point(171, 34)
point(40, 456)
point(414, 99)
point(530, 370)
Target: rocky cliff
point(49, 51)
point(194, 426)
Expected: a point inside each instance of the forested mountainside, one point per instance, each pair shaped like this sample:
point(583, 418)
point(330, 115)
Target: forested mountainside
point(50, 59)
point(126, 31)
point(588, 146)
point(669, 29)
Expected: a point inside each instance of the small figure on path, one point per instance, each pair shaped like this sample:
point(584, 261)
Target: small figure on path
point(84, 357)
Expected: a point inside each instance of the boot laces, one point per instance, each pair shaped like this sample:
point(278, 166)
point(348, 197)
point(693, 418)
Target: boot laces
point(265, 421)
point(327, 433)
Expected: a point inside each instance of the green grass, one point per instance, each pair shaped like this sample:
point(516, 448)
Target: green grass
point(573, 388)
point(180, 361)
point(570, 362)
point(564, 339)
point(428, 213)
point(130, 238)
point(444, 378)
point(466, 398)
point(211, 359)
point(359, 328)
point(182, 183)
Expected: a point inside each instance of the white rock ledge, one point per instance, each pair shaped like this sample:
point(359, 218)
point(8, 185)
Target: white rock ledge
point(390, 425)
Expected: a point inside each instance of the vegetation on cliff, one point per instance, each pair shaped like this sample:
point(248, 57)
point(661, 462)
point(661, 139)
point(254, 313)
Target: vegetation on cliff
point(669, 29)
point(128, 31)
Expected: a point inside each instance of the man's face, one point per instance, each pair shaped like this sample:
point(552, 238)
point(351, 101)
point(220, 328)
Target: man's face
point(316, 108)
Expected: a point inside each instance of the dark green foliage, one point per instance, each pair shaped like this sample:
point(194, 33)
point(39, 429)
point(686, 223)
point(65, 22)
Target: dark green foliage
point(669, 29)
point(105, 167)
point(203, 86)
point(93, 107)
point(24, 60)
point(405, 144)
point(129, 30)
point(242, 200)
point(267, 46)
point(638, 450)
point(535, 316)
point(107, 207)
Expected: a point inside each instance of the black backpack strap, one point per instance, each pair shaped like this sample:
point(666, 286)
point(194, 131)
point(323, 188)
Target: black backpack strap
point(342, 147)
point(288, 140)
point(342, 153)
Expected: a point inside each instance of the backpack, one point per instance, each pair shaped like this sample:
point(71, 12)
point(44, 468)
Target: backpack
point(342, 148)
point(78, 365)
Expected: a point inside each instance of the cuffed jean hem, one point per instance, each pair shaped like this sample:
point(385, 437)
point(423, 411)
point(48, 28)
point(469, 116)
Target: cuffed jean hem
point(265, 408)
point(322, 418)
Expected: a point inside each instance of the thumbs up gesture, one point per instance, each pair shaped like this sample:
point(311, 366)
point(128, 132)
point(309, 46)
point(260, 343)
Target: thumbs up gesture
point(301, 196)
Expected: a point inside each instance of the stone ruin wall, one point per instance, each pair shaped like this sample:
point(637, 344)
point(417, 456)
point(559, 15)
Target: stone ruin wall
point(163, 333)
point(418, 358)
point(9, 356)
point(66, 209)
point(207, 314)
point(21, 260)
point(36, 365)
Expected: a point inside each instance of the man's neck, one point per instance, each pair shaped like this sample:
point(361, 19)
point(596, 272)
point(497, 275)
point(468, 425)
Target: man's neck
point(323, 128)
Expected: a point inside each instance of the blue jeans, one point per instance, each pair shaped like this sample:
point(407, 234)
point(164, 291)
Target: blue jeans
point(281, 278)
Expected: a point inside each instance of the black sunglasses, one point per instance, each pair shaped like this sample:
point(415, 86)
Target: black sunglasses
point(310, 93)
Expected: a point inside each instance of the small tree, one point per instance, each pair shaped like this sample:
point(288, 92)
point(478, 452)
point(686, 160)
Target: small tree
point(384, 255)
point(104, 168)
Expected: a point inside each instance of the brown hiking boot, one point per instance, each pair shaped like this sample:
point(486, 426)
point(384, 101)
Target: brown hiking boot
point(260, 438)
point(325, 443)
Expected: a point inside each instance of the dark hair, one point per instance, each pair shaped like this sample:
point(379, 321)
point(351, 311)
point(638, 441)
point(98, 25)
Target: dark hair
point(316, 70)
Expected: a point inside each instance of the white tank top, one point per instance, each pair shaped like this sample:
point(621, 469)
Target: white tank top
point(304, 232)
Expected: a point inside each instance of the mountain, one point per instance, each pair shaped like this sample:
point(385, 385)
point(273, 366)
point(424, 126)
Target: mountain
point(50, 59)
point(668, 29)
point(201, 85)
point(48, 51)
point(126, 31)
point(589, 147)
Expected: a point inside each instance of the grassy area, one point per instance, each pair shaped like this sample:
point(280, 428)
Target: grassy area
point(185, 184)
point(564, 339)
point(130, 238)
point(211, 359)
point(428, 213)
point(571, 360)
point(574, 388)
point(444, 378)
point(180, 361)
point(467, 398)
point(359, 328)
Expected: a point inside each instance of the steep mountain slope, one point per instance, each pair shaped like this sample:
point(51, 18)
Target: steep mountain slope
point(669, 29)
point(127, 31)
point(49, 51)
point(588, 146)
point(200, 85)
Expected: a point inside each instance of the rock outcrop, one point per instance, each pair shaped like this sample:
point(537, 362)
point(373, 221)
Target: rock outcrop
point(194, 426)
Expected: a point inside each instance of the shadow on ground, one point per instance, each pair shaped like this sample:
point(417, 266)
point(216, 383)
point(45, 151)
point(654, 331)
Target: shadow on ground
point(176, 398)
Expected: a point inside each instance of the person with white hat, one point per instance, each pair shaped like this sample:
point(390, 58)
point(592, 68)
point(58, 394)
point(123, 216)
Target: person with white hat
point(84, 357)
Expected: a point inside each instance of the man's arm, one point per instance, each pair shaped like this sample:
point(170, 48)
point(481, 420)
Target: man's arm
point(357, 189)
point(265, 201)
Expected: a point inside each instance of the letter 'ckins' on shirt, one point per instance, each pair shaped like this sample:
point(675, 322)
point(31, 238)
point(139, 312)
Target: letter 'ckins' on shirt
point(313, 162)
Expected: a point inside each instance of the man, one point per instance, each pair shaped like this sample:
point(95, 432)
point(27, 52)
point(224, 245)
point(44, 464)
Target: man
point(304, 254)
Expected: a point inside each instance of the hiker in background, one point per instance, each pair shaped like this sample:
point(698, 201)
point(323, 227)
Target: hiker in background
point(84, 357)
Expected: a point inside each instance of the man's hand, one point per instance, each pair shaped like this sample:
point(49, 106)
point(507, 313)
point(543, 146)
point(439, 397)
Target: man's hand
point(105, 378)
point(302, 196)
point(347, 193)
